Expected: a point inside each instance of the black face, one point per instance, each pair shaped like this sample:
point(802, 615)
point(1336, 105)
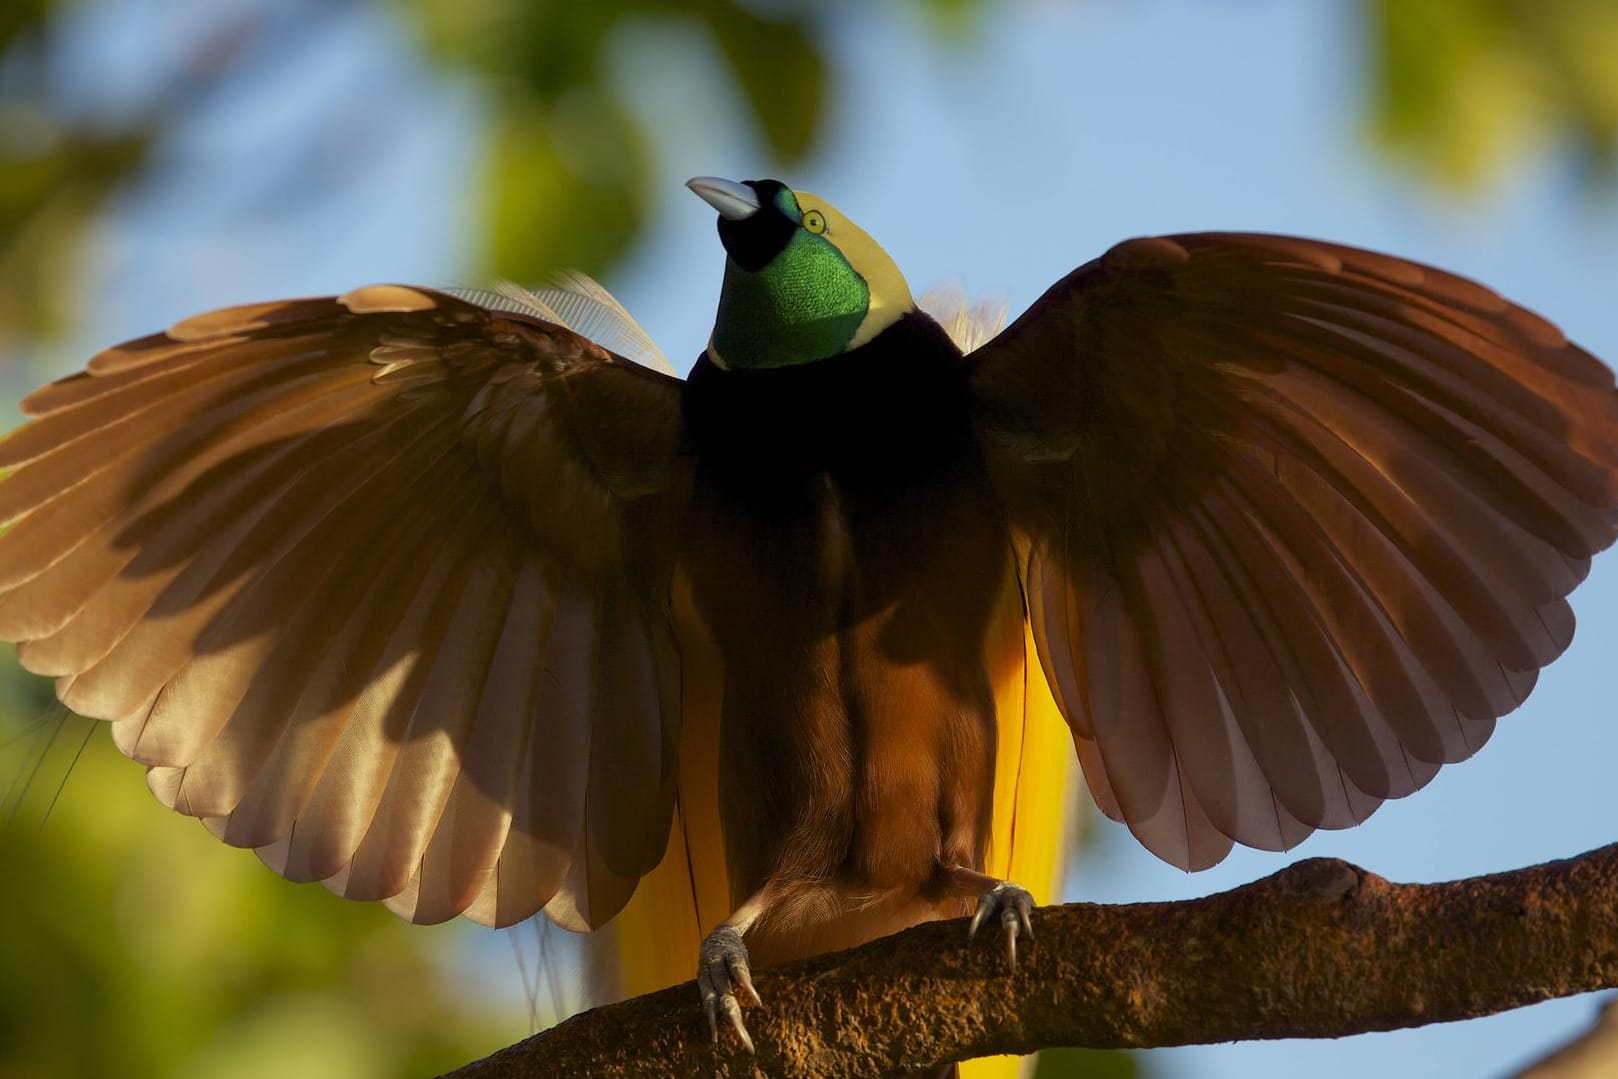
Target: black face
point(753, 241)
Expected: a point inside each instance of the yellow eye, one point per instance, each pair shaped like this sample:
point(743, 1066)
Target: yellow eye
point(814, 221)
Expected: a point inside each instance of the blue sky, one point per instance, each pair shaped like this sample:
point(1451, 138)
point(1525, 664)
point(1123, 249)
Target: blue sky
point(999, 165)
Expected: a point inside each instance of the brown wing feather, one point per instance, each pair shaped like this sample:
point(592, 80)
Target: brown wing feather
point(1299, 522)
point(375, 585)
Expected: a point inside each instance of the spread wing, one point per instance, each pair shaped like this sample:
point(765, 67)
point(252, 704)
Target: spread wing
point(375, 585)
point(1297, 523)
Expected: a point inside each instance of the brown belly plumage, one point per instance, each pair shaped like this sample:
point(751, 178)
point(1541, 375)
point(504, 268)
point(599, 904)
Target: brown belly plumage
point(862, 628)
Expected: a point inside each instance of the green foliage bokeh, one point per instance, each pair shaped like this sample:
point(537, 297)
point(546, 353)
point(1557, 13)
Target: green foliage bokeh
point(133, 944)
point(1454, 89)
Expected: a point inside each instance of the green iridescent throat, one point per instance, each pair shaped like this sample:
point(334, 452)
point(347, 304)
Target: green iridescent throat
point(805, 305)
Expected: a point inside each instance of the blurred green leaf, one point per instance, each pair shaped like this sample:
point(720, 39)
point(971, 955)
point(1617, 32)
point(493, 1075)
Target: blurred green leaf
point(780, 69)
point(156, 951)
point(956, 21)
point(520, 48)
point(564, 185)
point(566, 162)
point(1461, 88)
point(21, 17)
point(53, 184)
point(1458, 90)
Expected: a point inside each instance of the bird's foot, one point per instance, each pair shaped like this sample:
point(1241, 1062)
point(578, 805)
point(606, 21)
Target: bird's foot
point(721, 969)
point(1011, 903)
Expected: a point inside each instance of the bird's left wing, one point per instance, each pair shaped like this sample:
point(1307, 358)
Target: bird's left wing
point(1296, 523)
point(376, 585)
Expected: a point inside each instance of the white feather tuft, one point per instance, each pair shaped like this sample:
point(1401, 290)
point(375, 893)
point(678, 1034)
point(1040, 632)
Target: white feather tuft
point(970, 324)
point(579, 303)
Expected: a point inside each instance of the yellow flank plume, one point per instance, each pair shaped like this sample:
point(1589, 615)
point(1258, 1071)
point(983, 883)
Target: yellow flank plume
point(653, 942)
point(1032, 772)
point(1033, 781)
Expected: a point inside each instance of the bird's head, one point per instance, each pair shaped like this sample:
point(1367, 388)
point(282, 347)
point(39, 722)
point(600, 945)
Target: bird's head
point(802, 282)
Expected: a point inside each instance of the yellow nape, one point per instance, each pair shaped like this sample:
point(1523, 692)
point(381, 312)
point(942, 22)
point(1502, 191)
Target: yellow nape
point(890, 294)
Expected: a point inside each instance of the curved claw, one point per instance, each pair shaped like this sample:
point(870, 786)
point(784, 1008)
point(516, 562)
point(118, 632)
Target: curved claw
point(723, 965)
point(1014, 905)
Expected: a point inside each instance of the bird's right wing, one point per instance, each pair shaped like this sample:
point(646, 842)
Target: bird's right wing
point(1297, 523)
point(376, 585)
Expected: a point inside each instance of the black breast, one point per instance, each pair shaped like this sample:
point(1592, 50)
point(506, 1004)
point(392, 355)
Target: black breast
point(887, 413)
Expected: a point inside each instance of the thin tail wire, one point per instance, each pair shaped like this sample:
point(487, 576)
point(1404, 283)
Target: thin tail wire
point(34, 744)
point(89, 730)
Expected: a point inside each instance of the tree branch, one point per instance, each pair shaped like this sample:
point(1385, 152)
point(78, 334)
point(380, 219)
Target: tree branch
point(1320, 949)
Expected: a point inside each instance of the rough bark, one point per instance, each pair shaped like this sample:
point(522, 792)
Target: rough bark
point(1320, 949)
